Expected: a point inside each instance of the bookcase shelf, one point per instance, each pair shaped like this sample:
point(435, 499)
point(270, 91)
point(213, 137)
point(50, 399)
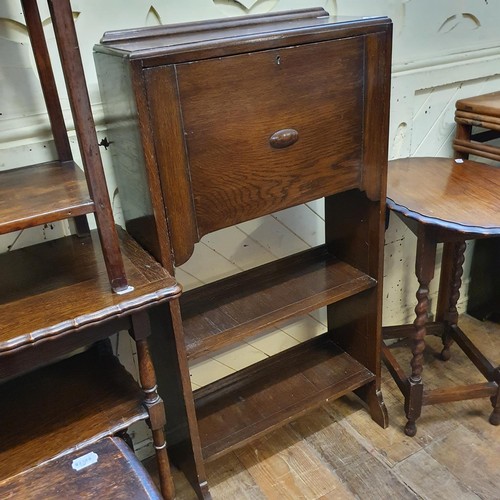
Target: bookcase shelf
point(241, 407)
point(43, 193)
point(65, 406)
point(55, 299)
point(64, 285)
point(232, 309)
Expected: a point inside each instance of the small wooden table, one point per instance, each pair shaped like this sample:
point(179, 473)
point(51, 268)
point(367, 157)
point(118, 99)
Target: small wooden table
point(450, 201)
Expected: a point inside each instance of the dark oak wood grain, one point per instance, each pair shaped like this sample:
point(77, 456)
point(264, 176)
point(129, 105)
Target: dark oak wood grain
point(169, 44)
point(354, 225)
point(377, 57)
point(485, 105)
point(40, 194)
point(238, 129)
point(256, 22)
point(64, 285)
point(112, 471)
point(483, 113)
point(464, 197)
point(244, 406)
point(211, 101)
point(228, 121)
point(232, 309)
point(82, 399)
point(171, 162)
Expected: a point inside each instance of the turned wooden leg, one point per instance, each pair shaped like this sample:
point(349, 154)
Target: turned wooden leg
point(153, 402)
point(424, 269)
point(458, 259)
point(413, 401)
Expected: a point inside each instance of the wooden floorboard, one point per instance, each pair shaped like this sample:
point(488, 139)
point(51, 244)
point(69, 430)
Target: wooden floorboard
point(337, 452)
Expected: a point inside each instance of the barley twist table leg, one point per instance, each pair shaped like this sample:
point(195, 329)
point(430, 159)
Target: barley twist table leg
point(458, 262)
point(424, 269)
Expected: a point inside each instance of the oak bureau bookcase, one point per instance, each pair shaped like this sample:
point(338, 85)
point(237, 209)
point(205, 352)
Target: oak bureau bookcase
point(219, 122)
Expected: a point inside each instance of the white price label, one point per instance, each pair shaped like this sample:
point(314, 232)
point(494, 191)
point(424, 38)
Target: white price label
point(84, 461)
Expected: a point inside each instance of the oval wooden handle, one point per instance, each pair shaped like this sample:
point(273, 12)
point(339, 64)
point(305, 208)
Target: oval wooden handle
point(284, 138)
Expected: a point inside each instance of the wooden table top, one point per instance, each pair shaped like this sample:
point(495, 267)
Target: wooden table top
point(486, 104)
point(459, 195)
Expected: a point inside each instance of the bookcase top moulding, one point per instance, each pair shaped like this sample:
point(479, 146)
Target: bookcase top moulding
point(182, 42)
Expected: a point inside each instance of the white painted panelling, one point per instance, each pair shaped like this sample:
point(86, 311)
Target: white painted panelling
point(318, 207)
point(425, 29)
point(207, 265)
point(400, 283)
point(273, 236)
point(188, 280)
point(320, 316)
point(125, 348)
point(305, 222)
point(31, 236)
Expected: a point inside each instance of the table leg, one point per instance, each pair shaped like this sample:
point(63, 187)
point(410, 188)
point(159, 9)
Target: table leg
point(424, 269)
point(456, 282)
point(153, 402)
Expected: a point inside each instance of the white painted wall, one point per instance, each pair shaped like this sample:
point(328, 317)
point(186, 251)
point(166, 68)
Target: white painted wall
point(442, 51)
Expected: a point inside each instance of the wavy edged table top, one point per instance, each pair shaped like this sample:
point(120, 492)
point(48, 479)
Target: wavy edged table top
point(458, 195)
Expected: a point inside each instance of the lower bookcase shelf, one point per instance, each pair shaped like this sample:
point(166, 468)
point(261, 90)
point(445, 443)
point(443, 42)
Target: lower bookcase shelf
point(62, 407)
point(264, 396)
